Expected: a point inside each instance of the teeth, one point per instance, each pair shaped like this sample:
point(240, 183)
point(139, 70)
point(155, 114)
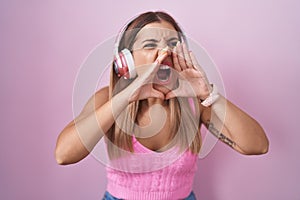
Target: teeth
point(164, 67)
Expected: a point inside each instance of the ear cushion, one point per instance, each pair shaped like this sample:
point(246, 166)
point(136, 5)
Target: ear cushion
point(124, 64)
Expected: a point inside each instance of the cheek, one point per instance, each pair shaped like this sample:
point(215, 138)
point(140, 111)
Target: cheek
point(143, 57)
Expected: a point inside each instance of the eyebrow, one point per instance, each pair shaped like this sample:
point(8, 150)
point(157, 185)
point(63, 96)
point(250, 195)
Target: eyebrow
point(173, 38)
point(154, 40)
point(150, 40)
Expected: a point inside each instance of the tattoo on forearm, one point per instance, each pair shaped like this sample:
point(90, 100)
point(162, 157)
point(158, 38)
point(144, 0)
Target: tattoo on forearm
point(219, 135)
point(226, 140)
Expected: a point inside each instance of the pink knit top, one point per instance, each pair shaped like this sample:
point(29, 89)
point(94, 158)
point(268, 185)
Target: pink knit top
point(151, 175)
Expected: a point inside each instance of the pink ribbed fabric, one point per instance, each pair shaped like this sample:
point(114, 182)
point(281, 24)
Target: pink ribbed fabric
point(172, 181)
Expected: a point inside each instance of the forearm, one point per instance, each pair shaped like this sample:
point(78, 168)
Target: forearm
point(239, 130)
point(82, 134)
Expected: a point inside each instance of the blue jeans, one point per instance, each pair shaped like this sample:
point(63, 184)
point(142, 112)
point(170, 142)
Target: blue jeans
point(108, 196)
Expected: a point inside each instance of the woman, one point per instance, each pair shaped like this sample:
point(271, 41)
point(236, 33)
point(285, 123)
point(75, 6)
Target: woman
point(156, 102)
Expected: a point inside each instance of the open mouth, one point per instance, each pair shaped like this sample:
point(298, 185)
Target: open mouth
point(164, 72)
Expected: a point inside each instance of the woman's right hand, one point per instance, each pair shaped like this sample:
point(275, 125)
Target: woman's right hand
point(142, 87)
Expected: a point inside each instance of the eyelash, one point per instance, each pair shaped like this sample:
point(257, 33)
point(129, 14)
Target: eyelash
point(150, 46)
point(172, 44)
point(153, 45)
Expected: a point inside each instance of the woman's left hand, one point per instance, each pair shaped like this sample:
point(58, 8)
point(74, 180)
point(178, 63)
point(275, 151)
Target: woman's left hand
point(192, 79)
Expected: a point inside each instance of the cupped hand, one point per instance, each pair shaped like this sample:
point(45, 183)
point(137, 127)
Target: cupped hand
point(142, 86)
point(192, 79)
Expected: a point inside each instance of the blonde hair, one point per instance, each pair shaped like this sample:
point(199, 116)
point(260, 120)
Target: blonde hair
point(185, 119)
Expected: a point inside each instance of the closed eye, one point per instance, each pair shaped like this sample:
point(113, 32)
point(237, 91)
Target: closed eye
point(150, 45)
point(172, 44)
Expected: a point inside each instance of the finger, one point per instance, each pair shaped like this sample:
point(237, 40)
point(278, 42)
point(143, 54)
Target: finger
point(146, 72)
point(180, 56)
point(161, 56)
point(199, 68)
point(195, 63)
point(150, 70)
point(157, 94)
point(175, 60)
point(144, 92)
point(147, 91)
point(187, 57)
point(170, 95)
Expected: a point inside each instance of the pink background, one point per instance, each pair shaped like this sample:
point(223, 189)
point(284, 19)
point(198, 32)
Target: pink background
point(255, 45)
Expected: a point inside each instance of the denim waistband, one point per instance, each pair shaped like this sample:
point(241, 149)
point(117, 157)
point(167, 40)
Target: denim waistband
point(108, 196)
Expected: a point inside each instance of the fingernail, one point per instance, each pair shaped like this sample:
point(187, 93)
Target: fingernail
point(174, 49)
point(165, 49)
point(162, 54)
point(178, 43)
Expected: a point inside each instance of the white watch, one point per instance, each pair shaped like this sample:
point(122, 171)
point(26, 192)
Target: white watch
point(212, 98)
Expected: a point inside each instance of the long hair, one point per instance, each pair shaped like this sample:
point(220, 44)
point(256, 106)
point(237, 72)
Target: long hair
point(184, 115)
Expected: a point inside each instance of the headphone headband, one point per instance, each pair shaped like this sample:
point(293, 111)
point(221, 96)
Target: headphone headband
point(123, 60)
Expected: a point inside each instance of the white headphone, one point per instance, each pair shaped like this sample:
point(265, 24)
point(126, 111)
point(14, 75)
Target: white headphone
point(123, 60)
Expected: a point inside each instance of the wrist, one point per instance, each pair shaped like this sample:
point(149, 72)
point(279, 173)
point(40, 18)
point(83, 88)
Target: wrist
point(209, 91)
point(212, 97)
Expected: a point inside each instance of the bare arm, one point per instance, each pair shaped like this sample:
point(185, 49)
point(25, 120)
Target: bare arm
point(225, 120)
point(80, 136)
point(238, 130)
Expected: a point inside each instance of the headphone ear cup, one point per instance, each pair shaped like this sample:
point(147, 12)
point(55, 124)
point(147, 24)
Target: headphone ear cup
point(124, 64)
